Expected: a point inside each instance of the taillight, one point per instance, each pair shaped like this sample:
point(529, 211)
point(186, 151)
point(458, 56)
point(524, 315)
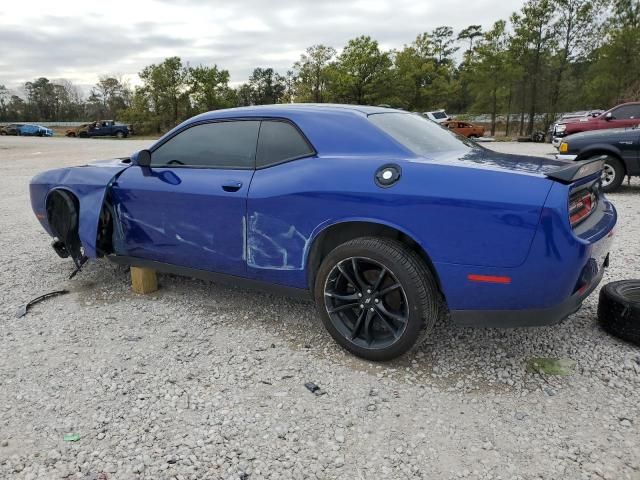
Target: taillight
point(581, 205)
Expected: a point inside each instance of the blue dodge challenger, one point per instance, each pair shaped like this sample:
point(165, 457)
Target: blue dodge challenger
point(388, 220)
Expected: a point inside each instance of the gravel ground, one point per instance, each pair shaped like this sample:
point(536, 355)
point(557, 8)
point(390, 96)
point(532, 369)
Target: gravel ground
point(205, 381)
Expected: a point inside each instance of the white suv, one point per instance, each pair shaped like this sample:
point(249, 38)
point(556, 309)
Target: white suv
point(438, 116)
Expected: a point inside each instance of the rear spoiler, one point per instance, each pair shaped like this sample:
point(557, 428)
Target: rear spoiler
point(578, 170)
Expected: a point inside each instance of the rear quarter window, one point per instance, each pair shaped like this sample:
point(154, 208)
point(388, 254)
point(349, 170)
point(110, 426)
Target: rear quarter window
point(278, 142)
point(418, 134)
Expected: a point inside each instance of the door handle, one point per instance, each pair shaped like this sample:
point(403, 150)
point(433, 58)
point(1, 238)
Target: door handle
point(232, 186)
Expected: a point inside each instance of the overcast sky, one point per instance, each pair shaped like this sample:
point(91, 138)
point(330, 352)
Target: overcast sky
point(82, 40)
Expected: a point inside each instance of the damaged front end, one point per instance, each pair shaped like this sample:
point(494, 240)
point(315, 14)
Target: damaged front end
point(70, 204)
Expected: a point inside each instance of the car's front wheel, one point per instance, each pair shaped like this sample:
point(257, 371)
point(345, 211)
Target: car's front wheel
point(376, 297)
point(612, 174)
point(120, 134)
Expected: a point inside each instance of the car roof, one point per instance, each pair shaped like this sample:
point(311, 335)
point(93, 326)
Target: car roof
point(332, 129)
point(288, 108)
point(621, 105)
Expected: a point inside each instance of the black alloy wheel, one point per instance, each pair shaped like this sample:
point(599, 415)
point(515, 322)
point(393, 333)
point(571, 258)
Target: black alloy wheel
point(366, 303)
point(376, 297)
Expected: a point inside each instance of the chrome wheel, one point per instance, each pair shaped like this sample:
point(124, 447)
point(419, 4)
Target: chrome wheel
point(608, 175)
point(366, 303)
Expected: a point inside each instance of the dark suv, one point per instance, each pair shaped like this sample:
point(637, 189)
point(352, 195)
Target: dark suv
point(620, 146)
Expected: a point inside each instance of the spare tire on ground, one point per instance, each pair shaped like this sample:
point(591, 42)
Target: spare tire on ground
point(619, 309)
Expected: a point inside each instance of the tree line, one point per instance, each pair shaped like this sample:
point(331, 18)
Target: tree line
point(548, 57)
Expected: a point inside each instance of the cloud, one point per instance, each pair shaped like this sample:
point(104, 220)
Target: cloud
point(87, 41)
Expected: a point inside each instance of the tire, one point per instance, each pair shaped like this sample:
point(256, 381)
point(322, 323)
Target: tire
point(83, 135)
point(120, 134)
point(395, 321)
point(612, 175)
point(619, 309)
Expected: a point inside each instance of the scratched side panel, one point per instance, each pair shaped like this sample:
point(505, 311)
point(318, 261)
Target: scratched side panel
point(89, 183)
point(458, 215)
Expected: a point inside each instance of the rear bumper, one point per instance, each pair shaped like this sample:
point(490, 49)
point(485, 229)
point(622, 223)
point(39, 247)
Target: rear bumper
point(528, 318)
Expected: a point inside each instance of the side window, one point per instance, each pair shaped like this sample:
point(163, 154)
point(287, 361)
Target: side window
point(626, 112)
point(228, 144)
point(279, 142)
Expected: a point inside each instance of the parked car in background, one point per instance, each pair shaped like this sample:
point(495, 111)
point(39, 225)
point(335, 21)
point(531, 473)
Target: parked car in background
point(620, 148)
point(73, 132)
point(569, 117)
point(29, 130)
point(438, 116)
point(621, 116)
point(387, 220)
point(10, 129)
point(104, 128)
point(465, 129)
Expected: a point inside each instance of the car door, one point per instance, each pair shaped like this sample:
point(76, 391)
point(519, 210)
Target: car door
point(629, 144)
point(188, 208)
point(103, 129)
point(277, 227)
point(93, 129)
point(625, 116)
point(464, 129)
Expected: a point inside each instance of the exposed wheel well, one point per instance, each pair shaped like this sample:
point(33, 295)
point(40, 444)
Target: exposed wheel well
point(61, 202)
point(595, 153)
point(337, 234)
point(63, 213)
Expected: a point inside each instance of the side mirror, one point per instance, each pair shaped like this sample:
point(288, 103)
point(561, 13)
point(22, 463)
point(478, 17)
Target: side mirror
point(144, 158)
point(609, 116)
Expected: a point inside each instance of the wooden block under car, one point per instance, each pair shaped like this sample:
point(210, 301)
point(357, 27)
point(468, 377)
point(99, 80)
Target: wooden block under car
point(143, 280)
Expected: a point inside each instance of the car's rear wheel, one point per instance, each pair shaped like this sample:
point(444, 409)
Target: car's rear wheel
point(376, 297)
point(612, 174)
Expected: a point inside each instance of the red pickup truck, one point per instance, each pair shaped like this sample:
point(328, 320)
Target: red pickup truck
point(621, 116)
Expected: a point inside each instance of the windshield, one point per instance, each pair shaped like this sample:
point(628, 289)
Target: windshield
point(423, 137)
point(439, 115)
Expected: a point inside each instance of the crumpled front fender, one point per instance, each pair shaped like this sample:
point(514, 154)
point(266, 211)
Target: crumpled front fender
point(89, 184)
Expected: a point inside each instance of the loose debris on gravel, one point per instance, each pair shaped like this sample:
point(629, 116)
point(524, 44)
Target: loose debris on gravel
point(203, 381)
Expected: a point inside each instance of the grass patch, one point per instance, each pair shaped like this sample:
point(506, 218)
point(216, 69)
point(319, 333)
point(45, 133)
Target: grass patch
point(551, 366)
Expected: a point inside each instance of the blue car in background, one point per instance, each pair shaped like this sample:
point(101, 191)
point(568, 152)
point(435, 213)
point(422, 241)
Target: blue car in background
point(386, 219)
point(28, 130)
